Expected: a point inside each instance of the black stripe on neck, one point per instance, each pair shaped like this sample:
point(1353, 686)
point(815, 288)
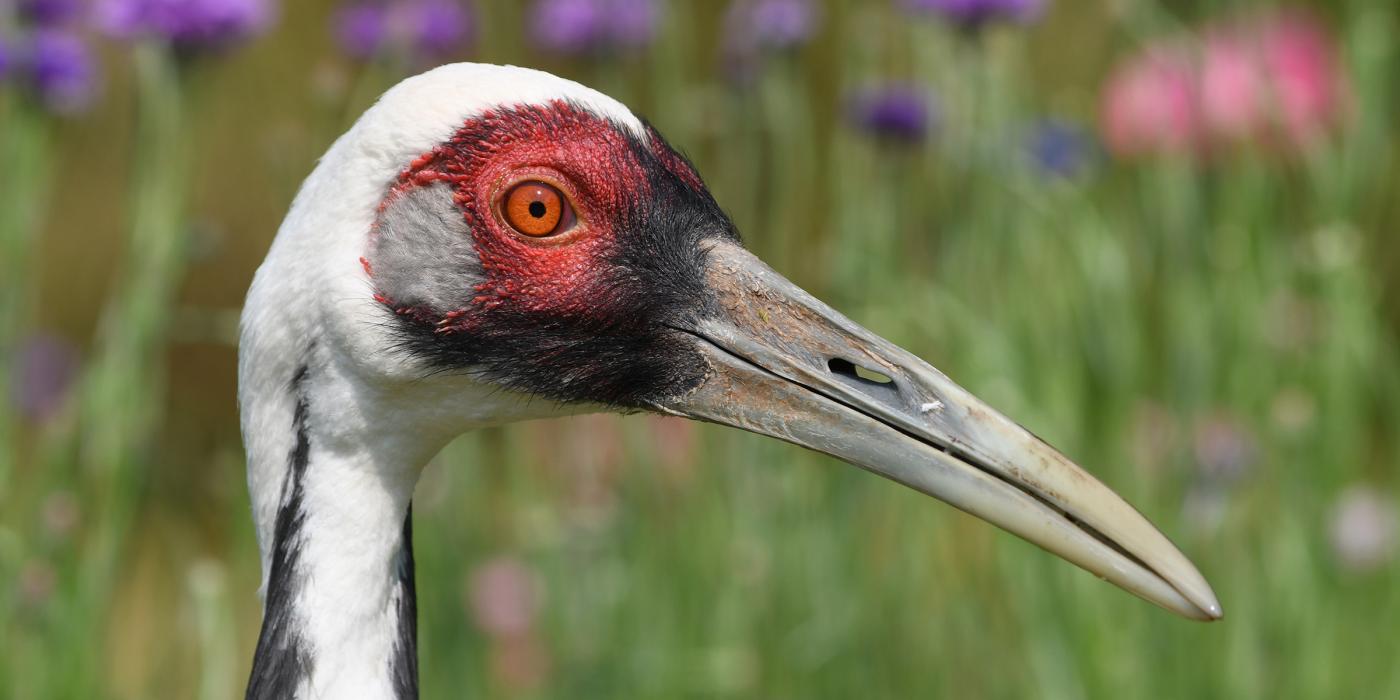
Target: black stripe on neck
point(403, 666)
point(282, 659)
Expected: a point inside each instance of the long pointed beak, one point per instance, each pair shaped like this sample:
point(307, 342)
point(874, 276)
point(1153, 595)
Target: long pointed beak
point(788, 366)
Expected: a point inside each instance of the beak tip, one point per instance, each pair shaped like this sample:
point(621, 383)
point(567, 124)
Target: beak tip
point(1214, 612)
point(1197, 593)
point(1200, 593)
point(1205, 607)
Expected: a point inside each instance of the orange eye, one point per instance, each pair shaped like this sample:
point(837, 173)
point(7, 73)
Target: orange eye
point(536, 209)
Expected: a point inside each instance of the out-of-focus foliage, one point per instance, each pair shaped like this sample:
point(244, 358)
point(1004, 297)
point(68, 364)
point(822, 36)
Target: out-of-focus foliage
point(1162, 235)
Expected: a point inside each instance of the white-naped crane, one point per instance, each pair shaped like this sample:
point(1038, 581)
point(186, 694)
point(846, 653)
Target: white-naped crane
point(490, 244)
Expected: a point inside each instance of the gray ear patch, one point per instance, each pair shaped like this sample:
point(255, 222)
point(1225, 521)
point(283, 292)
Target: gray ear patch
point(423, 255)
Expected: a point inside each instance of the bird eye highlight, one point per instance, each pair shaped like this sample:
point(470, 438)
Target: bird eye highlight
point(537, 209)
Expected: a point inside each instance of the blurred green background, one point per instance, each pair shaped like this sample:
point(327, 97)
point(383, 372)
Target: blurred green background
point(1209, 328)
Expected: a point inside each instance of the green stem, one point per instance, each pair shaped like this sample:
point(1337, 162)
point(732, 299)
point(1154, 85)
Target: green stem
point(124, 384)
point(124, 388)
point(24, 180)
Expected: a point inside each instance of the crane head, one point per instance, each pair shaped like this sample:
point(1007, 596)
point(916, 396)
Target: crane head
point(506, 228)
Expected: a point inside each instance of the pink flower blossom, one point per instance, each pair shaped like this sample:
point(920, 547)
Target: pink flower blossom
point(1225, 449)
point(1232, 87)
point(1363, 529)
point(1275, 80)
point(44, 369)
point(1265, 80)
point(503, 598)
point(1150, 104)
point(1309, 87)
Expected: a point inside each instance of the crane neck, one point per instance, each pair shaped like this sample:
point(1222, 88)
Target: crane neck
point(335, 523)
point(336, 433)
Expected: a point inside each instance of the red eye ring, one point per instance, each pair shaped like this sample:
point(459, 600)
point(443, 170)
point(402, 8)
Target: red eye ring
point(536, 209)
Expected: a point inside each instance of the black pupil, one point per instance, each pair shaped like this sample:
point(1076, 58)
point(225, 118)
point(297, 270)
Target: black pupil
point(537, 209)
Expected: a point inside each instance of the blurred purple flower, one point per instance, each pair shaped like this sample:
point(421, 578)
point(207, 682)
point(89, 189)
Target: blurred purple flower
point(437, 27)
point(61, 70)
point(751, 26)
point(1363, 529)
point(633, 22)
point(425, 29)
point(897, 112)
point(1225, 453)
point(503, 597)
point(567, 26)
point(43, 372)
point(583, 26)
point(5, 59)
point(48, 13)
point(362, 28)
point(1225, 449)
point(191, 25)
point(973, 14)
point(781, 24)
point(1059, 148)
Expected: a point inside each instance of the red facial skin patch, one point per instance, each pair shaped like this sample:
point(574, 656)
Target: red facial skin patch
point(593, 310)
point(587, 158)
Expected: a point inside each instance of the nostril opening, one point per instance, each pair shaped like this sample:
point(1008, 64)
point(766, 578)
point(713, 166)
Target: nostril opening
point(851, 370)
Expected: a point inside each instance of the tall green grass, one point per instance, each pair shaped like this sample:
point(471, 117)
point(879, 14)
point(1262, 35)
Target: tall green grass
point(1126, 315)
